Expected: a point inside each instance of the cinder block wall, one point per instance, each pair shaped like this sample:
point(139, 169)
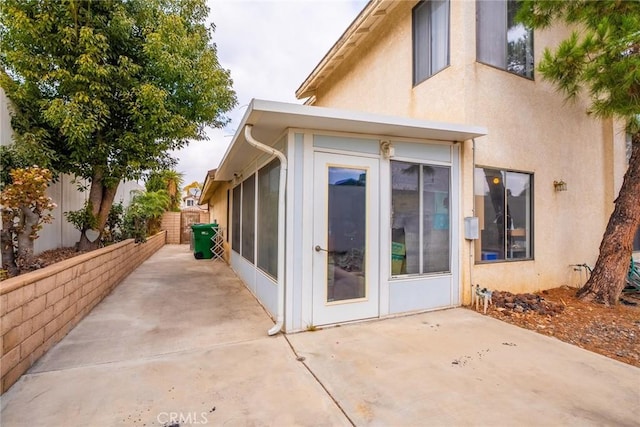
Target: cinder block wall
point(38, 309)
point(171, 224)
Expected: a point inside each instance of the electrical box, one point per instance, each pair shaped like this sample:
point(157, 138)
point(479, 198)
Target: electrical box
point(471, 228)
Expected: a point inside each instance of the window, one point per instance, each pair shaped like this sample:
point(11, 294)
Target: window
point(235, 235)
point(430, 38)
point(268, 188)
point(189, 202)
point(420, 234)
point(248, 217)
point(503, 205)
point(501, 41)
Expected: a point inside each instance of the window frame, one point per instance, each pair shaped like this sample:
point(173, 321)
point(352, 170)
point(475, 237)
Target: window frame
point(531, 232)
point(418, 46)
point(269, 168)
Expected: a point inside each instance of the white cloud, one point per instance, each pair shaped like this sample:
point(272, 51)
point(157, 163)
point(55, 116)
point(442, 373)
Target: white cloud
point(270, 47)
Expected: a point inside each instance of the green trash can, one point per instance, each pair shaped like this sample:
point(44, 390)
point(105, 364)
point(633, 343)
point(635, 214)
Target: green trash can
point(202, 236)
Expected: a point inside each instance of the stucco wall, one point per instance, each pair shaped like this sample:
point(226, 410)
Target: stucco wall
point(218, 213)
point(531, 129)
point(38, 309)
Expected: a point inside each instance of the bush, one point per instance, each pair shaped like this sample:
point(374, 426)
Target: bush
point(143, 216)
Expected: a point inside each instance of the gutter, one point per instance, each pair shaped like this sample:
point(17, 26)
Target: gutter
point(281, 214)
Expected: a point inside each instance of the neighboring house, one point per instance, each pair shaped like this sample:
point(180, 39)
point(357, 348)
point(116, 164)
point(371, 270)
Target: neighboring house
point(422, 117)
point(64, 193)
point(189, 201)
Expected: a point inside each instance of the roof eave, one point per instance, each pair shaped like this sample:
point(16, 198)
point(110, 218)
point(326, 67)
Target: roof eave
point(271, 119)
point(360, 27)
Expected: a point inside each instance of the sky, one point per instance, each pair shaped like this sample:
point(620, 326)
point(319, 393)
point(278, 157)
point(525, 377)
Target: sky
point(270, 47)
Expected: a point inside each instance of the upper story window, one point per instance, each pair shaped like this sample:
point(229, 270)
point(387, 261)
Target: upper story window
point(501, 41)
point(189, 202)
point(430, 38)
point(503, 202)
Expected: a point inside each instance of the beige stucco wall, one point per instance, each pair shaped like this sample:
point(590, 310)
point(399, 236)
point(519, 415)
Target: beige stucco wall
point(531, 129)
point(218, 213)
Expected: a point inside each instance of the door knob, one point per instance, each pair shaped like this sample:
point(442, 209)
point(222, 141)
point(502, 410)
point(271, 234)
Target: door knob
point(318, 249)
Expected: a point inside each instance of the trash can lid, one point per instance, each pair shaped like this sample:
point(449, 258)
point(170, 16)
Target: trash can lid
point(203, 226)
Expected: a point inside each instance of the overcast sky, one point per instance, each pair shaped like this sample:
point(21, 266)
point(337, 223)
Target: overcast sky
point(270, 47)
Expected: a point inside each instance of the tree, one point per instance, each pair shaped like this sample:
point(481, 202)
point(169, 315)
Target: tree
point(25, 207)
point(144, 214)
point(170, 181)
point(111, 86)
point(601, 59)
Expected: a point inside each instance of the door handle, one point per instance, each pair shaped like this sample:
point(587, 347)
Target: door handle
point(318, 249)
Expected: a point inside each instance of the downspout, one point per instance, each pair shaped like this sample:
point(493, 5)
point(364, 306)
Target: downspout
point(281, 213)
point(473, 193)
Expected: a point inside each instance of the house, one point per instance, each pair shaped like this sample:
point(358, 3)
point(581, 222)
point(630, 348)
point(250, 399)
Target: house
point(428, 157)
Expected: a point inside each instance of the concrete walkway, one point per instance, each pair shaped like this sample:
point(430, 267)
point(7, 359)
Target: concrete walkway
point(182, 342)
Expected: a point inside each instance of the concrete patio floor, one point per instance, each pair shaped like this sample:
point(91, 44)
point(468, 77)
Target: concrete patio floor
point(183, 342)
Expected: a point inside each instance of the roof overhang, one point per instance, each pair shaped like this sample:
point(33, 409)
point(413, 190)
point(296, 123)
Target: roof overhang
point(208, 188)
point(271, 119)
point(368, 19)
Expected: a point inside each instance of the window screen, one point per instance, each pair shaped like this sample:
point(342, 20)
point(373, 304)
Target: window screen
point(248, 217)
point(430, 38)
point(501, 41)
point(268, 189)
point(235, 222)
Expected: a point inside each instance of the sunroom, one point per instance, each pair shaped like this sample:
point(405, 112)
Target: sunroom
point(336, 216)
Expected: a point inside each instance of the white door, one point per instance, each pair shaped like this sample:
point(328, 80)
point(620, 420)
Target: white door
point(345, 238)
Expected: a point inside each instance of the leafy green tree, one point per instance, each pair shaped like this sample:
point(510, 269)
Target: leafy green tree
point(170, 181)
point(113, 229)
point(601, 60)
point(144, 214)
point(111, 86)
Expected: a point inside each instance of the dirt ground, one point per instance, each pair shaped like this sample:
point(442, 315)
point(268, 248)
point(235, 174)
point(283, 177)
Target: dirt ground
point(47, 258)
point(611, 331)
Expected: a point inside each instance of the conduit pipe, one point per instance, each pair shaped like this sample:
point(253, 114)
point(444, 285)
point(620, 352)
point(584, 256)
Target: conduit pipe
point(281, 215)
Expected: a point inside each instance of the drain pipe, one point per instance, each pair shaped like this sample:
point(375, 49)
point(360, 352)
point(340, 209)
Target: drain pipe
point(281, 214)
point(473, 192)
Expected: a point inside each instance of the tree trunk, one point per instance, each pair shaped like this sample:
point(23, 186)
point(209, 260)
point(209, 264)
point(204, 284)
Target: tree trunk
point(608, 277)
point(6, 243)
point(101, 198)
point(24, 254)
